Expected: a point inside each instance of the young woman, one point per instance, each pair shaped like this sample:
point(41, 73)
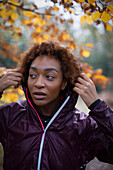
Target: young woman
point(47, 132)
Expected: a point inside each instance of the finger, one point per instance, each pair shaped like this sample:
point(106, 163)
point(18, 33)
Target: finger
point(79, 85)
point(80, 80)
point(85, 77)
point(11, 74)
point(76, 89)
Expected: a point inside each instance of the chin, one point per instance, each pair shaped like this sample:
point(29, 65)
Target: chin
point(39, 103)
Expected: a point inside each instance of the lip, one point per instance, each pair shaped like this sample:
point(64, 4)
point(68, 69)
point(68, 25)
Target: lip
point(39, 95)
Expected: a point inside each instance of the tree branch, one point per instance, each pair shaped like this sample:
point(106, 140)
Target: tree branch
point(26, 9)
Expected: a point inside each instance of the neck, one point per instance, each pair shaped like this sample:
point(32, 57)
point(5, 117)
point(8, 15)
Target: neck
point(50, 109)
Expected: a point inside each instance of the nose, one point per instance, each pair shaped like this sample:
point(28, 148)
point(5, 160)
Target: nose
point(39, 82)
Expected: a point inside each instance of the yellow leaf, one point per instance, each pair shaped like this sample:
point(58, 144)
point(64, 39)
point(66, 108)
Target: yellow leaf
point(68, 1)
point(65, 36)
point(73, 45)
point(2, 7)
point(15, 2)
point(38, 29)
point(112, 20)
point(83, 19)
point(17, 28)
point(89, 75)
point(70, 10)
point(38, 39)
point(96, 15)
point(85, 53)
point(9, 13)
point(37, 20)
point(14, 16)
point(110, 7)
point(28, 13)
point(10, 21)
point(82, 1)
point(108, 27)
point(101, 77)
point(20, 91)
point(13, 7)
point(3, 13)
point(10, 97)
point(42, 22)
point(91, 1)
point(45, 36)
point(89, 20)
point(55, 8)
point(89, 45)
point(48, 16)
point(105, 17)
point(27, 22)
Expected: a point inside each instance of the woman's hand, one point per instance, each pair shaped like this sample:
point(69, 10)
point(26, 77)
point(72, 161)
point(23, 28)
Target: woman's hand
point(86, 89)
point(12, 78)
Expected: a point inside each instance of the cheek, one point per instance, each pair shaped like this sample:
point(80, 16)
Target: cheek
point(29, 84)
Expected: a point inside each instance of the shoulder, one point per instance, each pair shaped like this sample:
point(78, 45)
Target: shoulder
point(12, 107)
point(11, 111)
point(83, 121)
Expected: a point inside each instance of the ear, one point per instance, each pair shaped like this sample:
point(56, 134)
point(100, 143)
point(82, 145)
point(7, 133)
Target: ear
point(64, 84)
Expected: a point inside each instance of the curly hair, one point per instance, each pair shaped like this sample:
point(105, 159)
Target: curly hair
point(69, 65)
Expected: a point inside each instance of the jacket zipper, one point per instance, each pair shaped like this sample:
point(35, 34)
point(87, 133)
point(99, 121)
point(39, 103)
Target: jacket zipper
point(43, 135)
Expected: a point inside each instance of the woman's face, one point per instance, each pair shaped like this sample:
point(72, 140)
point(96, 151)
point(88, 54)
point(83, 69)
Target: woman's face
point(45, 80)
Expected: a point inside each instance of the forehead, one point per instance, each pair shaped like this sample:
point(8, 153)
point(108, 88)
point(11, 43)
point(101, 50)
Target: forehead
point(45, 61)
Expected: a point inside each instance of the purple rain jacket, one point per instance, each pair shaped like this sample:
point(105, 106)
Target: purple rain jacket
point(69, 141)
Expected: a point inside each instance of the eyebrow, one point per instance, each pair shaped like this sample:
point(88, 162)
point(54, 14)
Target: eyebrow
point(46, 69)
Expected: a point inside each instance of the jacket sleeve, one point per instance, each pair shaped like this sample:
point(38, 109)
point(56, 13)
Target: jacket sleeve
point(98, 138)
point(103, 116)
point(4, 117)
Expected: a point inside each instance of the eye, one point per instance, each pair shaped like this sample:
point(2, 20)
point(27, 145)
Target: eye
point(50, 77)
point(32, 75)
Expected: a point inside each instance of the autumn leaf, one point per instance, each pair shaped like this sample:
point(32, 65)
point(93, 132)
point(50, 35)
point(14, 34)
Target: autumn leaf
point(105, 17)
point(81, 1)
point(110, 7)
point(45, 36)
point(99, 71)
point(91, 1)
point(14, 16)
point(15, 59)
point(70, 10)
point(83, 19)
point(70, 21)
point(89, 45)
point(89, 75)
point(38, 29)
point(72, 45)
point(68, 1)
point(9, 13)
point(55, 8)
point(101, 77)
point(108, 27)
point(65, 36)
point(27, 13)
point(15, 2)
point(96, 15)
point(89, 20)
point(85, 53)
point(17, 28)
